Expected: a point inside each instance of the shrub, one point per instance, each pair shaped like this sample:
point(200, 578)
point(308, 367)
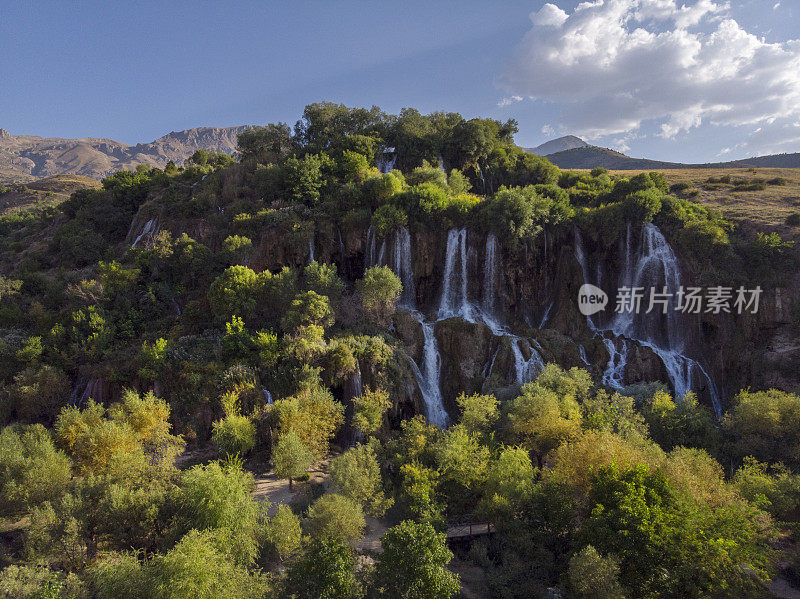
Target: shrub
point(380, 290)
point(793, 220)
point(234, 435)
point(336, 517)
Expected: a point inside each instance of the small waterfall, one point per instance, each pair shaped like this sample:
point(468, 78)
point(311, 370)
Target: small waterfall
point(386, 160)
point(614, 374)
point(149, 229)
point(525, 369)
point(584, 357)
point(441, 163)
point(311, 250)
point(267, 396)
point(491, 282)
point(341, 245)
point(402, 267)
point(374, 256)
point(489, 367)
point(480, 176)
point(546, 315)
point(455, 300)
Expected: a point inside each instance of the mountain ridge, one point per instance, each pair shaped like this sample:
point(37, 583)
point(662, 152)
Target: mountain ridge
point(589, 156)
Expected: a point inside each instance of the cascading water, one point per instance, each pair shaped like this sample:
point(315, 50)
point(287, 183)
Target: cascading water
point(267, 396)
point(654, 266)
point(385, 162)
point(310, 250)
point(149, 229)
point(491, 274)
point(401, 265)
point(428, 377)
point(455, 300)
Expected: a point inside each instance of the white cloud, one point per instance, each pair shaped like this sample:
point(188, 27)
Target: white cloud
point(777, 6)
point(549, 15)
point(509, 101)
point(614, 64)
point(549, 130)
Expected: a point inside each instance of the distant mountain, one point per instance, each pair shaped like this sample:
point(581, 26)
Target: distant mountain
point(568, 142)
point(27, 157)
point(592, 156)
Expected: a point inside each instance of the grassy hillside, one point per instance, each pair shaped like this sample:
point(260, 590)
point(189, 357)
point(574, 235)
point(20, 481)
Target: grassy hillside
point(21, 197)
point(763, 200)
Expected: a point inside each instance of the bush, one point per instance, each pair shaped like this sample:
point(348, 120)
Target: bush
point(793, 220)
point(336, 517)
point(387, 218)
point(234, 435)
point(380, 290)
point(32, 470)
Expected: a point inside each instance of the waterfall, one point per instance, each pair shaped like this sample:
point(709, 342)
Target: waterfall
point(267, 396)
point(455, 301)
point(525, 369)
point(654, 266)
point(310, 250)
point(614, 374)
point(428, 376)
point(491, 279)
point(480, 176)
point(148, 229)
point(385, 162)
point(440, 161)
point(584, 357)
point(372, 256)
point(341, 245)
point(401, 265)
point(546, 315)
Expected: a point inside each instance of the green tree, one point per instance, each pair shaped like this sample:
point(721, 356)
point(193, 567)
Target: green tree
point(284, 533)
point(508, 484)
point(235, 291)
point(307, 309)
point(592, 576)
point(765, 425)
point(218, 497)
point(380, 289)
point(265, 144)
point(414, 563)
point(369, 409)
point(548, 413)
point(685, 422)
point(234, 435)
point(324, 280)
point(337, 517)
point(291, 457)
point(200, 567)
point(774, 489)
point(637, 516)
point(326, 571)
point(32, 470)
point(356, 474)
point(313, 415)
point(478, 412)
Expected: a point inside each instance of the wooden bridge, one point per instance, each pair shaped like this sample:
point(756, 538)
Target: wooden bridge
point(468, 531)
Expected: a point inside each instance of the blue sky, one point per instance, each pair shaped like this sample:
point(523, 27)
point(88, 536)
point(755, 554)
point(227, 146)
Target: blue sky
point(134, 73)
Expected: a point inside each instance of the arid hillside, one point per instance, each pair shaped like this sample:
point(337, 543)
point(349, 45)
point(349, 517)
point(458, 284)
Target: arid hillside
point(27, 157)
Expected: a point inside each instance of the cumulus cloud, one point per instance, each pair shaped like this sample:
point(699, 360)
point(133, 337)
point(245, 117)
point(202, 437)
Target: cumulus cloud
point(614, 64)
point(509, 101)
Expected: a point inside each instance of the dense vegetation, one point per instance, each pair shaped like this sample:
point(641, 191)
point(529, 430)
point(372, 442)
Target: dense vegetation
point(124, 359)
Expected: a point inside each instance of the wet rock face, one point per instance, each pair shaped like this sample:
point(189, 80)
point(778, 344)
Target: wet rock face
point(465, 349)
point(409, 330)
